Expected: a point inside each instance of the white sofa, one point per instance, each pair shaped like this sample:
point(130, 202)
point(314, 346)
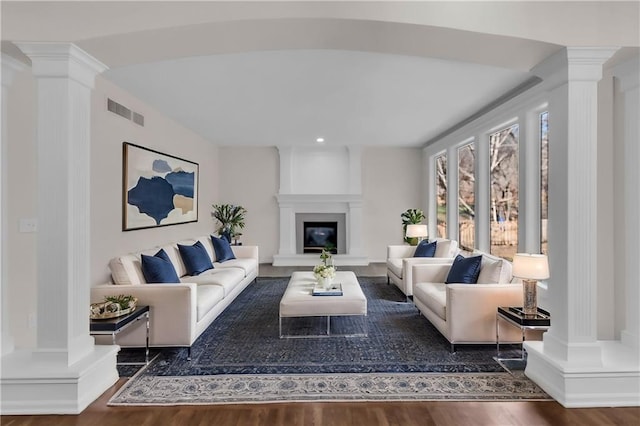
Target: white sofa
point(179, 313)
point(466, 313)
point(400, 260)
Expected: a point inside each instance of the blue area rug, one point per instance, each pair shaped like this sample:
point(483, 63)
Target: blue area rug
point(241, 359)
point(245, 340)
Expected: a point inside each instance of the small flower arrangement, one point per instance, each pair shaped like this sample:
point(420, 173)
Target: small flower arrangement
point(325, 269)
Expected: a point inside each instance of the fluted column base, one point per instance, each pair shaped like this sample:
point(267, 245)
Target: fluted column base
point(613, 383)
point(33, 384)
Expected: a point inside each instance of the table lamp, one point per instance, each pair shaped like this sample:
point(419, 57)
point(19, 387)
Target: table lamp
point(531, 268)
point(417, 231)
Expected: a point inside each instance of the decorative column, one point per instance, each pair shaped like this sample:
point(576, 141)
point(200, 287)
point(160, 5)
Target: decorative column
point(65, 76)
point(66, 371)
point(571, 364)
point(629, 90)
point(10, 66)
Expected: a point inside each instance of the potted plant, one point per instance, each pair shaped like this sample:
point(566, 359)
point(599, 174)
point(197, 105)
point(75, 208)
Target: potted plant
point(231, 219)
point(411, 217)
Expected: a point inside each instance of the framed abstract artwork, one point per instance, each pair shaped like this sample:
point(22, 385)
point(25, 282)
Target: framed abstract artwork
point(158, 189)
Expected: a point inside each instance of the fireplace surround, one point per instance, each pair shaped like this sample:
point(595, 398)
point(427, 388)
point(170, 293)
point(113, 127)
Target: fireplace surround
point(320, 184)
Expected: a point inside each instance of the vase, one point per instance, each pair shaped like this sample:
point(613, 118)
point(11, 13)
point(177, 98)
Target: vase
point(325, 282)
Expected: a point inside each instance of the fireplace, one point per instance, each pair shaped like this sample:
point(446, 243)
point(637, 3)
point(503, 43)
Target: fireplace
point(320, 235)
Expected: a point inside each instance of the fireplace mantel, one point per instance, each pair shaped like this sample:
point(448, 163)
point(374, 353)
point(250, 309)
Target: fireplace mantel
point(291, 204)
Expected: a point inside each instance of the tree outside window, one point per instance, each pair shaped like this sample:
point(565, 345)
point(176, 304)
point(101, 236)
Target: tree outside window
point(441, 194)
point(466, 196)
point(544, 180)
point(504, 192)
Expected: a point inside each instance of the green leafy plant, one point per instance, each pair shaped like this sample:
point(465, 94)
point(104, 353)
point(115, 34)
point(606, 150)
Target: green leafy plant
point(230, 218)
point(411, 217)
point(123, 301)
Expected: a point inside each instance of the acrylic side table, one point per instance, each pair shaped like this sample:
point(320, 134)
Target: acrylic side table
point(113, 326)
point(515, 316)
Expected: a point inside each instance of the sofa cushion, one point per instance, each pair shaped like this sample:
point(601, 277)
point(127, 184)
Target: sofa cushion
point(432, 295)
point(126, 270)
point(490, 270)
point(208, 297)
point(395, 266)
point(227, 278)
point(425, 249)
point(195, 257)
point(247, 265)
point(446, 248)
point(223, 249)
point(464, 270)
point(158, 268)
point(174, 254)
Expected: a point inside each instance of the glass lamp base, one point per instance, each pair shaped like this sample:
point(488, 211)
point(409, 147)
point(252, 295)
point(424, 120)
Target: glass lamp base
point(530, 297)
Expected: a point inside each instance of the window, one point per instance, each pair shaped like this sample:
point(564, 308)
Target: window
point(441, 194)
point(466, 196)
point(504, 192)
point(544, 179)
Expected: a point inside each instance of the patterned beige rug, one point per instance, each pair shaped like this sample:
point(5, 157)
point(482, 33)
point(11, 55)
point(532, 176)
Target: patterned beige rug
point(243, 389)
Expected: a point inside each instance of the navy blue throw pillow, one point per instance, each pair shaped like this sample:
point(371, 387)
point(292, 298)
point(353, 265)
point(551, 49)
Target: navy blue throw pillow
point(222, 248)
point(464, 270)
point(159, 269)
point(226, 235)
point(425, 249)
point(195, 258)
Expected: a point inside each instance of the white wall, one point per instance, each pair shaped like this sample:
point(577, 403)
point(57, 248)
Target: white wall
point(391, 183)
point(248, 176)
point(160, 133)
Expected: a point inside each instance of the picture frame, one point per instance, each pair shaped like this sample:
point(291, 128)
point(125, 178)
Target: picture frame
point(158, 189)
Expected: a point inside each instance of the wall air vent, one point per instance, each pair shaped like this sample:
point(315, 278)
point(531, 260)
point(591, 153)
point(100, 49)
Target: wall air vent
point(138, 118)
point(125, 112)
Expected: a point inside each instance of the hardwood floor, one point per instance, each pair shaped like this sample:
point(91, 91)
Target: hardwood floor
point(467, 413)
point(338, 414)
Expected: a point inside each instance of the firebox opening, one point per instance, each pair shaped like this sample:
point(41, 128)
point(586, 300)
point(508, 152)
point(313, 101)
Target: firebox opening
point(320, 235)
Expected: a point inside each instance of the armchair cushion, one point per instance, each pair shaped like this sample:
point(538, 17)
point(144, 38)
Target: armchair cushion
point(434, 296)
point(425, 249)
point(158, 268)
point(464, 270)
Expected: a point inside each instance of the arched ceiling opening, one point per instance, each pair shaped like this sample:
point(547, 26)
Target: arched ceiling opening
point(270, 73)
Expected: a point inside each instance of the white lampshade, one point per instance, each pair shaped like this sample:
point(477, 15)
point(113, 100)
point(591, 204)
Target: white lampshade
point(531, 266)
point(416, 231)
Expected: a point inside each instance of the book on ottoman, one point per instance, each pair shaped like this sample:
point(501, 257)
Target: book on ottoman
point(334, 290)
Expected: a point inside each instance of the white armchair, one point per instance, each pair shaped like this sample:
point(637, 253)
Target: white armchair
point(400, 260)
point(466, 313)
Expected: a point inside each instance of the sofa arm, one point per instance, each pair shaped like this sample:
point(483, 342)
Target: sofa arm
point(172, 311)
point(410, 262)
point(471, 310)
point(245, 252)
point(400, 251)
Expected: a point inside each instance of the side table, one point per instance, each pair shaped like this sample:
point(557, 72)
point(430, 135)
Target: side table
point(515, 316)
point(113, 326)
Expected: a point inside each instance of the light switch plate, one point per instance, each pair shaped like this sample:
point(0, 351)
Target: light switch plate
point(28, 225)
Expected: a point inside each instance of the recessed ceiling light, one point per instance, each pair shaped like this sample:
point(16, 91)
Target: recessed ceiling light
point(320, 140)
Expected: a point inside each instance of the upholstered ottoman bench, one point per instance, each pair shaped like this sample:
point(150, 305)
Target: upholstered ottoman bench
point(298, 301)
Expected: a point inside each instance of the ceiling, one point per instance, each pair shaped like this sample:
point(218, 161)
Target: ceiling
point(286, 73)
